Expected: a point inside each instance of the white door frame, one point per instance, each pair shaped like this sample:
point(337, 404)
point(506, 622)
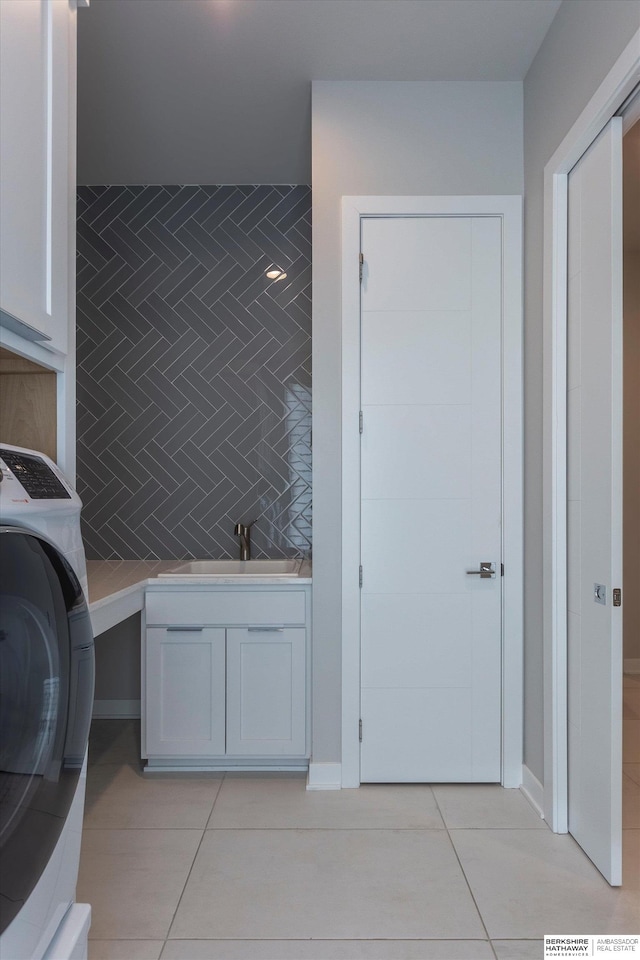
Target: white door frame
point(509, 208)
point(614, 90)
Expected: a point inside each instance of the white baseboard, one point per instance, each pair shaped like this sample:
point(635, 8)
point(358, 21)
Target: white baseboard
point(324, 776)
point(631, 665)
point(116, 709)
point(533, 790)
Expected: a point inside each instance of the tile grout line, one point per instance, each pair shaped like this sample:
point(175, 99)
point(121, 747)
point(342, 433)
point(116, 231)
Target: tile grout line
point(204, 832)
point(466, 880)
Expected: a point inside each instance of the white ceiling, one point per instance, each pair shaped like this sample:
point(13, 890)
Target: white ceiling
point(219, 90)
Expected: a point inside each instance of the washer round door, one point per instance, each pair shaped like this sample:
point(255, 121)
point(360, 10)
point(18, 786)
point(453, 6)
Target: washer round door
point(46, 697)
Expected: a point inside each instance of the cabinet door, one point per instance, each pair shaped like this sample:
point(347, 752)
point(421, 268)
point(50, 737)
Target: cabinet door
point(61, 198)
point(23, 143)
point(185, 692)
point(37, 158)
point(266, 695)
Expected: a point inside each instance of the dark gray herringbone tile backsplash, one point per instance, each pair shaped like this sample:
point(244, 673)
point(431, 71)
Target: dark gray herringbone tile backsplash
point(194, 370)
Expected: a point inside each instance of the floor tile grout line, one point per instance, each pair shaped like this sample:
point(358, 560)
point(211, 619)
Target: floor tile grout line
point(215, 800)
point(271, 939)
point(180, 898)
point(391, 827)
point(306, 827)
point(466, 879)
point(458, 939)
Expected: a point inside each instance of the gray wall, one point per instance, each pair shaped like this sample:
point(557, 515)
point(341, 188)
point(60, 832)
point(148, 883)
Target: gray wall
point(583, 43)
point(118, 662)
point(381, 138)
point(197, 91)
point(194, 376)
point(181, 92)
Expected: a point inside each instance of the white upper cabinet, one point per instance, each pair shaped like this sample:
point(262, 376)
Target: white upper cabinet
point(37, 165)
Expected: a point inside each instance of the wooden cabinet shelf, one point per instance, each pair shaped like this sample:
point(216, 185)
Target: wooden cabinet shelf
point(28, 394)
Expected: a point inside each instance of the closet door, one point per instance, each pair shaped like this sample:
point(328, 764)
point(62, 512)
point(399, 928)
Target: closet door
point(594, 508)
point(431, 500)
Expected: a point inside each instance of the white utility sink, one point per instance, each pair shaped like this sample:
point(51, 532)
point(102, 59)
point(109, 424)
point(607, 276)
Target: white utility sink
point(236, 568)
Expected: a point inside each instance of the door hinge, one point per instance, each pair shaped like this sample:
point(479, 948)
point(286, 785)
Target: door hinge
point(360, 575)
point(360, 421)
point(502, 569)
point(617, 597)
point(360, 730)
point(361, 264)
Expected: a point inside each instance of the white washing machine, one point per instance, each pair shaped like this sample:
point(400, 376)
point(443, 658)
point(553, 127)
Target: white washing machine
point(46, 697)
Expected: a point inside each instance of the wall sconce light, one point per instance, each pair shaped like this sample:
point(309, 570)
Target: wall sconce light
point(275, 273)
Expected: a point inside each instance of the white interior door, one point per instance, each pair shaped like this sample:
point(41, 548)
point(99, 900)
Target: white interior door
point(431, 499)
point(594, 508)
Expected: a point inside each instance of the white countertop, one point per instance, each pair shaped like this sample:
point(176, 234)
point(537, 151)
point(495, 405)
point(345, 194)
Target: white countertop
point(117, 587)
point(110, 577)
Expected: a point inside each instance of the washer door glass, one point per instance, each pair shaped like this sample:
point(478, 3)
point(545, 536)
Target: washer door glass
point(46, 693)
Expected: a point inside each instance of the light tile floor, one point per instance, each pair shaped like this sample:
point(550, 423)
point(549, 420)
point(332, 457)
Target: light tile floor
point(256, 868)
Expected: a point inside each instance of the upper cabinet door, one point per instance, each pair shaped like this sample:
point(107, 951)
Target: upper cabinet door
point(23, 159)
point(37, 164)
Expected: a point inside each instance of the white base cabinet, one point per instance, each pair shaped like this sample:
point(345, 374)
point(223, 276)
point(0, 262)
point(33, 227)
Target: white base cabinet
point(225, 677)
point(266, 691)
point(185, 691)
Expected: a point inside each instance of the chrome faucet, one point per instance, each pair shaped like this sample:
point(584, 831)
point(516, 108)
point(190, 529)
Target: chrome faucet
point(243, 530)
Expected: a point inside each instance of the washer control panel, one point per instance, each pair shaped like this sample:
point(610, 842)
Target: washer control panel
point(36, 477)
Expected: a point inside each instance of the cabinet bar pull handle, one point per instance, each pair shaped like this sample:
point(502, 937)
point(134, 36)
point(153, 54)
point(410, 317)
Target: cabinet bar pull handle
point(265, 629)
point(176, 629)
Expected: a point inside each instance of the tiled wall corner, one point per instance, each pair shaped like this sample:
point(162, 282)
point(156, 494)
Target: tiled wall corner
point(194, 370)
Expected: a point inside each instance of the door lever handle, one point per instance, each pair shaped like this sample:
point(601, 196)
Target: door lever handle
point(487, 571)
